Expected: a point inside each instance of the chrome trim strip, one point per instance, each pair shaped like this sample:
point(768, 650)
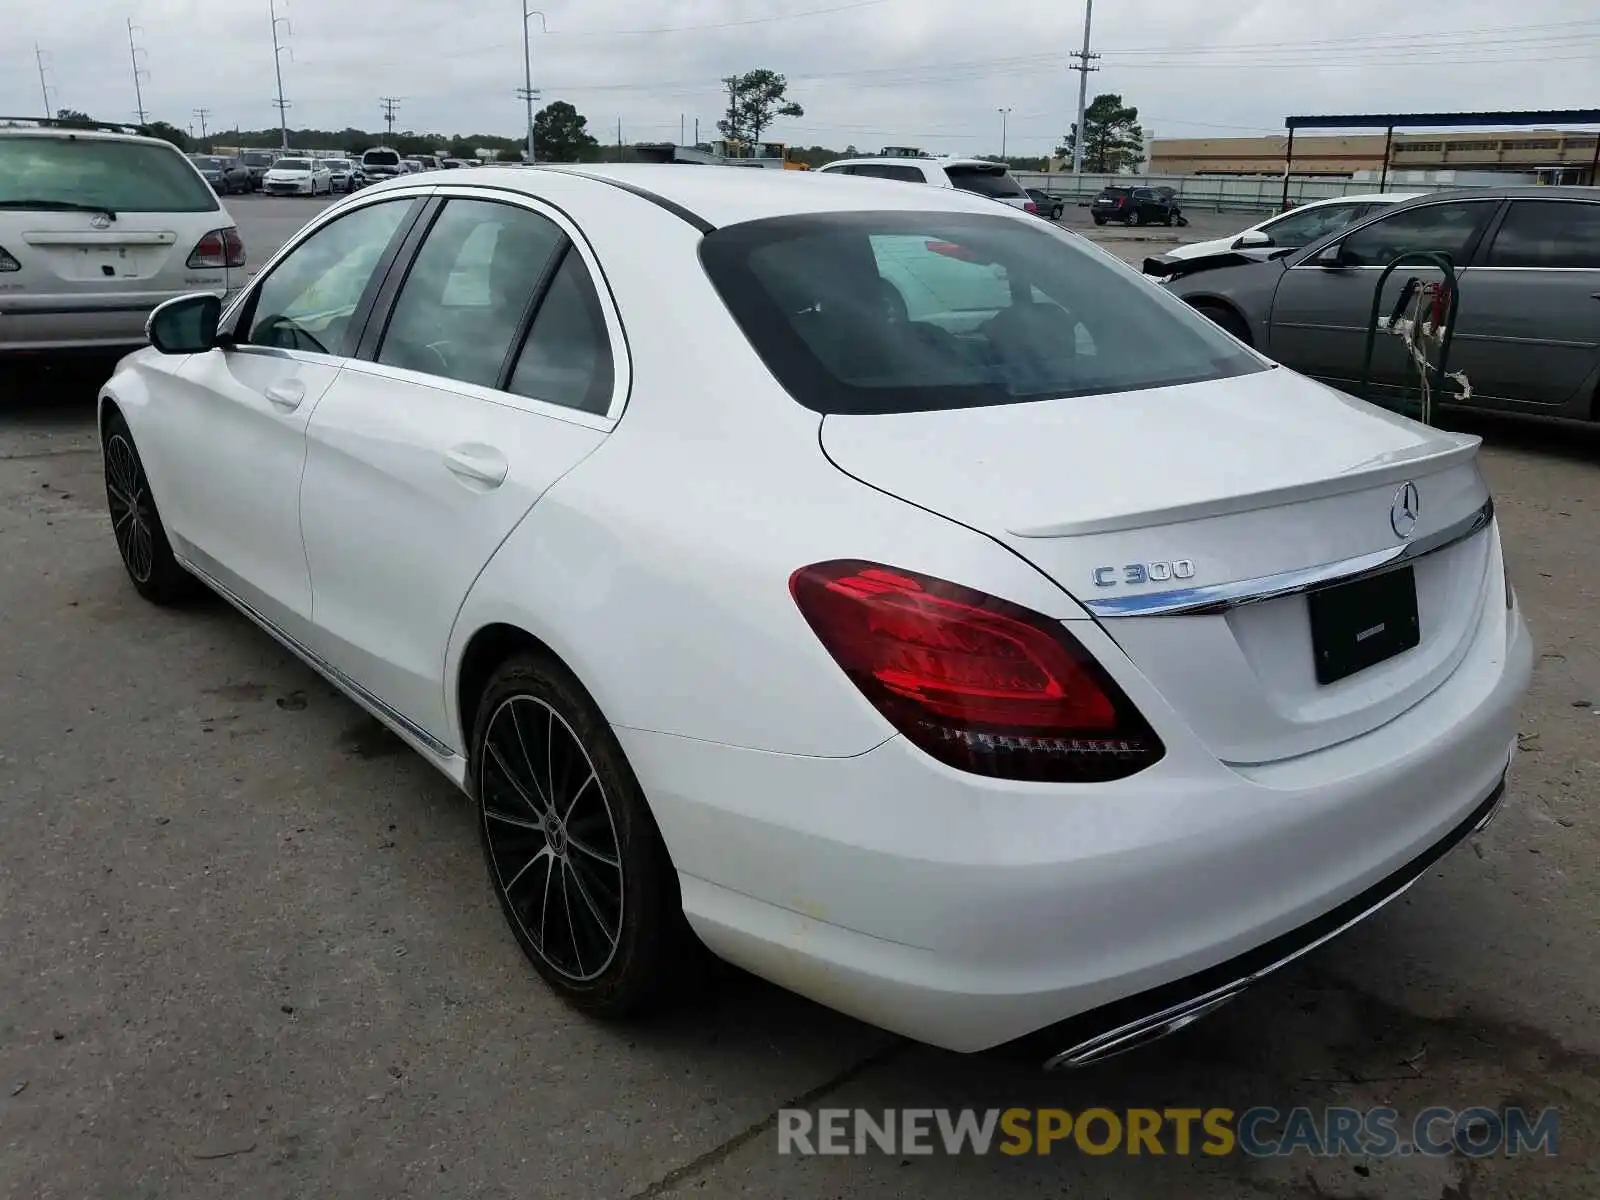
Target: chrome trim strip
point(389, 716)
point(1221, 597)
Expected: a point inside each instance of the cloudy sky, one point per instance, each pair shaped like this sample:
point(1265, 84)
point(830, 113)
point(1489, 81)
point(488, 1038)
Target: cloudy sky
point(930, 73)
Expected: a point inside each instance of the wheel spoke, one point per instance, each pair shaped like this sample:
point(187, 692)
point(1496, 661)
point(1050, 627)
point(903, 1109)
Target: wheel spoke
point(584, 848)
point(545, 853)
point(549, 751)
point(573, 803)
point(533, 775)
point(594, 909)
point(510, 776)
point(505, 818)
point(572, 926)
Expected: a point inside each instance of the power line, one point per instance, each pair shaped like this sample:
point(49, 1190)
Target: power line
point(138, 72)
point(202, 114)
point(389, 104)
point(280, 103)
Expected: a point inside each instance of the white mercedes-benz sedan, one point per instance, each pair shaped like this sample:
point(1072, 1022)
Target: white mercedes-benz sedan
point(885, 588)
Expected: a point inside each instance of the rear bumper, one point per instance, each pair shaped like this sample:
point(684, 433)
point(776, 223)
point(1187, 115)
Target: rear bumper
point(66, 324)
point(968, 912)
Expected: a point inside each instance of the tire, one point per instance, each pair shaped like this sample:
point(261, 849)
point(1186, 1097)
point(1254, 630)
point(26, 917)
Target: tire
point(625, 949)
point(1099, 220)
point(1227, 319)
point(1167, 220)
point(136, 522)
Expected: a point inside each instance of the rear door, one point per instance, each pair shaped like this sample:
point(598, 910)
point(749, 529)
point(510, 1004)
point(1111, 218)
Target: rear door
point(498, 369)
point(1528, 332)
point(1320, 313)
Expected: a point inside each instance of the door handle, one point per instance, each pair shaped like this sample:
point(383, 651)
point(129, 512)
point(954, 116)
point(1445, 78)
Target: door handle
point(286, 396)
point(481, 464)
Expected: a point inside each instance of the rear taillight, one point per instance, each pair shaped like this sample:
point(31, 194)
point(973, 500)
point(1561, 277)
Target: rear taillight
point(977, 682)
point(219, 248)
point(7, 263)
point(1031, 207)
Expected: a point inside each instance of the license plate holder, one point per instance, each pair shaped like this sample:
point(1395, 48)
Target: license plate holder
point(1365, 622)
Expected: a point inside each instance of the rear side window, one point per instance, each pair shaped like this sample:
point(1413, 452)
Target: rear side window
point(997, 182)
point(878, 312)
point(1548, 233)
point(567, 357)
point(888, 171)
point(46, 172)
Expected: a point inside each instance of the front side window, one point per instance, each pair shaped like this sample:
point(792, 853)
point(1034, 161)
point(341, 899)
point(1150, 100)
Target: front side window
point(465, 297)
point(44, 173)
point(1548, 233)
point(308, 300)
point(876, 312)
point(1450, 228)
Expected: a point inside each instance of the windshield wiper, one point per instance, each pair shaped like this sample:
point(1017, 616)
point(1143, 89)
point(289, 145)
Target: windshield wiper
point(59, 206)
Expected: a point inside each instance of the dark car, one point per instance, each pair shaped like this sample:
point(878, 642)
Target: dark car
point(258, 163)
point(225, 175)
point(1050, 206)
point(1135, 206)
point(1527, 329)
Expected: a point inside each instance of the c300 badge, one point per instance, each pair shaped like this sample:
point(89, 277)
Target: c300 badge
point(1150, 572)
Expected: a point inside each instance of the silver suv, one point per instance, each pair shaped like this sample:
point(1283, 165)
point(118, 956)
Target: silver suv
point(977, 175)
point(96, 229)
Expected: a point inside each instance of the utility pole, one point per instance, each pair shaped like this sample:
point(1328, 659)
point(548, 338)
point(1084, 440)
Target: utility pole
point(680, 128)
point(133, 57)
point(1004, 113)
point(202, 113)
point(1083, 67)
point(389, 104)
point(619, 139)
point(697, 131)
point(44, 88)
point(526, 91)
point(278, 48)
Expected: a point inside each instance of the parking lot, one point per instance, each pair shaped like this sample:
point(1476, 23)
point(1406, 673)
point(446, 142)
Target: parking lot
point(249, 949)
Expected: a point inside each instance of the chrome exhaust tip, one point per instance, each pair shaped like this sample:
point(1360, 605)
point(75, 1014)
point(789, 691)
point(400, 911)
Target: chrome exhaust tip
point(1140, 1033)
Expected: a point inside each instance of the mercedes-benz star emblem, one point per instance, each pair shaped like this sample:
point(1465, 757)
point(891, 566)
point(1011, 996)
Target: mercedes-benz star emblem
point(1406, 509)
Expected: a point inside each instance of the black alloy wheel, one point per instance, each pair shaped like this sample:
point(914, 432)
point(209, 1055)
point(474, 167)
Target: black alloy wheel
point(574, 855)
point(136, 522)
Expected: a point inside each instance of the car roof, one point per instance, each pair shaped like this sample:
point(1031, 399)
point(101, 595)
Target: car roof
point(723, 196)
point(94, 135)
point(905, 158)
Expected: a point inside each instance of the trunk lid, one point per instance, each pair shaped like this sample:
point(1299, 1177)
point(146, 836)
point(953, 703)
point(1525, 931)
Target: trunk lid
point(1138, 502)
point(134, 247)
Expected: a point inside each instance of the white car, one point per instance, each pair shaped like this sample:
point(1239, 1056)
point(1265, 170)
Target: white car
point(298, 177)
point(96, 229)
point(1290, 230)
point(976, 175)
point(341, 171)
point(978, 648)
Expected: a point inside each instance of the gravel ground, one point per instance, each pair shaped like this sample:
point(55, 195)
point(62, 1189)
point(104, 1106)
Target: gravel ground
point(247, 949)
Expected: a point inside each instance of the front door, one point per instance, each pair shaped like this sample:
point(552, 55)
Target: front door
point(494, 377)
point(1320, 313)
point(240, 413)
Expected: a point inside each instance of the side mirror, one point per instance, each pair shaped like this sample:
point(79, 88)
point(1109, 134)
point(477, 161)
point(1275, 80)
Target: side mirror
point(1253, 239)
point(1331, 255)
point(185, 325)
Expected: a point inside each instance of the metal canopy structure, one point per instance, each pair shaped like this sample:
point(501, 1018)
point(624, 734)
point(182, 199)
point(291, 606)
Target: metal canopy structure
point(1389, 122)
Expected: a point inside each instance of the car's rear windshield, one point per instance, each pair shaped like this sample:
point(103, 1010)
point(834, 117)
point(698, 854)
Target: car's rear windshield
point(258, 160)
point(885, 312)
point(119, 176)
point(985, 181)
point(200, 160)
point(292, 164)
point(1110, 191)
point(336, 164)
point(381, 158)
